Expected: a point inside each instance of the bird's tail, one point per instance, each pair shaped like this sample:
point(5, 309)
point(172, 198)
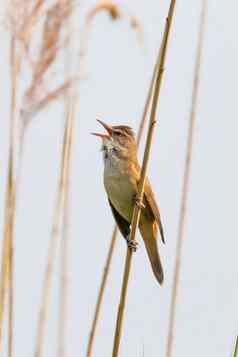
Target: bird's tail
point(148, 230)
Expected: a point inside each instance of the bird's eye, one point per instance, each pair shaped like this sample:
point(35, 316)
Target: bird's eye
point(118, 133)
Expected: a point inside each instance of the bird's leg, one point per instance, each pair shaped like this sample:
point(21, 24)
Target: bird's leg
point(138, 202)
point(131, 243)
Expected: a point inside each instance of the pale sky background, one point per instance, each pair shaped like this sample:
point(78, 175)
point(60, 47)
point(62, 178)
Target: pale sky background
point(118, 73)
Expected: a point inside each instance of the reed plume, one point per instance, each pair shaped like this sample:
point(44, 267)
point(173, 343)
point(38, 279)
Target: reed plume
point(23, 19)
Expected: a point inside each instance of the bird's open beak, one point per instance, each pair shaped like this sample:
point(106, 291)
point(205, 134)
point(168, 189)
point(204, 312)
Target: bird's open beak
point(108, 129)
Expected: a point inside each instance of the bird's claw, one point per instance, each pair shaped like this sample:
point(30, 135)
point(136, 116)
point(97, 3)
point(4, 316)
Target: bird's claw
point(139, 202)
point(132, 244)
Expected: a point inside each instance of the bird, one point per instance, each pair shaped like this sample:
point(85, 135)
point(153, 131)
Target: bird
point(121, 178)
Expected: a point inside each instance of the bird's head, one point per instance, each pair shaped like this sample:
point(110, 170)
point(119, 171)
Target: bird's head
point(119, 139)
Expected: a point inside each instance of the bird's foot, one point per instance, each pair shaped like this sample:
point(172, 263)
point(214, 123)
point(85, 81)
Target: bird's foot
point(138, 202)
point(131, 244)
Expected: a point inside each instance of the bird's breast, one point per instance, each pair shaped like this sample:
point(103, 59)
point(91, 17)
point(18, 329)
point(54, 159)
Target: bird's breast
point(120, 189)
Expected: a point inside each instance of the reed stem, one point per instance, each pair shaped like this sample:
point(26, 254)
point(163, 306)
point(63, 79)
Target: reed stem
point(8, 280)
point(101, 292)
point(236, 348)
point(7, 267)
point(137, 209)
point(186, 182)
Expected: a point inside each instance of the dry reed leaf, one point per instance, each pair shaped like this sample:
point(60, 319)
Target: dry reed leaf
point(111, 8)
point(32, 105)
point(116, 12)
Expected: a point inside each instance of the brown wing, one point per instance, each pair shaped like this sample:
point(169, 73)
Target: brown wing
point(150, 200)
point(122, 224)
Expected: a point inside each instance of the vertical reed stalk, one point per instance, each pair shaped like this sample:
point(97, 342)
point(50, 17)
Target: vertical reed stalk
point(137, 210)
point(44, 307)
point(236, 348)
point(186, 182)
point(57, 222)
point(70, 120)
point(115, 232)
point(70, 106)
point(7, 268)
point(4, 275)
point(11, 195)
point(31, 104)
point(101, 292)
point(63, 291)
point(60, 220)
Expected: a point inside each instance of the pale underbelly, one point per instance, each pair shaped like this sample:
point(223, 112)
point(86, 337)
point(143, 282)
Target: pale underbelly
point(121, 192)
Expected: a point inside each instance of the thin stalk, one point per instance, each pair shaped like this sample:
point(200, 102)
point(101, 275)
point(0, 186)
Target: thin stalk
point(112, 245)
point(7, 268)
point(4, 275)
point(65, 234)
point(101, 292)
point(4, 268)
point(186, 182)
point(7, 261)
point(60, 220)
point(44, 305)
point(137, 209)
point(55, 233)
point(10, 206)
point(63, 294)
point(64, 247)
point(72, 102)
point(236, 348)
point(61, 199)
